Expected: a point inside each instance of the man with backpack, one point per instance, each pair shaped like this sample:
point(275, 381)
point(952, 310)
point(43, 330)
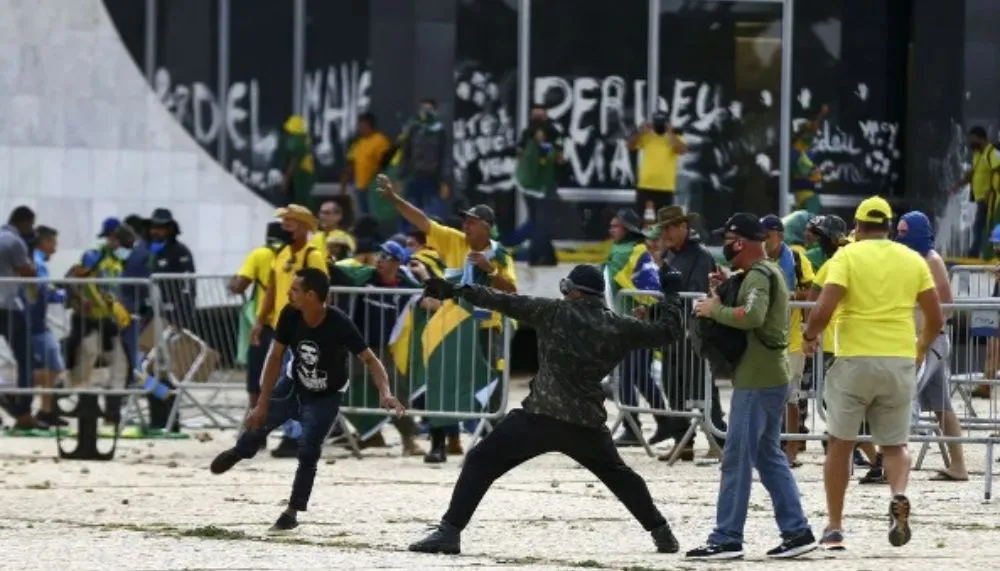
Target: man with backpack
point(983, 179)
point(759, 317)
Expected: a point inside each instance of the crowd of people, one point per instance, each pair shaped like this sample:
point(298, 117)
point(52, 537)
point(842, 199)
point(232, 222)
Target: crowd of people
point(102, 309)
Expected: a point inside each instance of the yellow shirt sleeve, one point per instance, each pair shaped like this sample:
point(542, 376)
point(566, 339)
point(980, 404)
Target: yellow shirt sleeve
point(449, 243)
point(507, 271)
point(808, 275)
point(251, 266)
point(318, 261)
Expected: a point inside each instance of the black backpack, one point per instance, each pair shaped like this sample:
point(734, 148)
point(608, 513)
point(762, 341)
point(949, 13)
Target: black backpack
point(723, 346)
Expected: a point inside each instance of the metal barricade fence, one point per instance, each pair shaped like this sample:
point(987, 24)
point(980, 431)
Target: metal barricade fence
point(207, 340)
point(671, 381)
point(71, 337)
point(973, 281)
point(446, 362)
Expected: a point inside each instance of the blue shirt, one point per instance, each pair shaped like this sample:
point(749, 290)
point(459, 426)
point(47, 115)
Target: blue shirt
point(38, 297)
point(787, 264)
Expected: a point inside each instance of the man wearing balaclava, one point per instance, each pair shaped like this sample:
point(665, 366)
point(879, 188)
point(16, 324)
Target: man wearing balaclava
point(933, 385)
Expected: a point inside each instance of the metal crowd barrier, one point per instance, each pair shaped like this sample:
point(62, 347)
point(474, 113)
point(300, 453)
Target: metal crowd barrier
point(979, 423)
point(443, 363)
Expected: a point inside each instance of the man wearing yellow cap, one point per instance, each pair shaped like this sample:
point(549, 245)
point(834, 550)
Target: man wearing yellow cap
point(874, 283)
point(297, 221)
point(298, 164)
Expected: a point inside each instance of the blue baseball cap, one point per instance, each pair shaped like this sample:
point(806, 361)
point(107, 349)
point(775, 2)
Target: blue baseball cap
point(395, 251)
point(995, 235)
point(772, 222)
point(109, 225)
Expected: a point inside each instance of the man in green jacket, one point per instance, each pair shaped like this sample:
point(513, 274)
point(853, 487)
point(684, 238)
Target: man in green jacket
point(760, 388)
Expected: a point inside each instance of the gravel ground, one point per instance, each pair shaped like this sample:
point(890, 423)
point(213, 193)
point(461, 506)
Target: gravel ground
point(157, 507)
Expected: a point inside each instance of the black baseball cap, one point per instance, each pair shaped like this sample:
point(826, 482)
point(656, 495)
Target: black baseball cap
point(482, 213)
point(744, 225)
point(772, 222)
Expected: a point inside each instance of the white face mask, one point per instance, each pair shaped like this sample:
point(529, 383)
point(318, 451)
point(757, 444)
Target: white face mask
point(122, 253)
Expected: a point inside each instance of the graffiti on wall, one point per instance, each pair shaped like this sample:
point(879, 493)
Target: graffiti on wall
point(598, 114)
point(332, 99)
point(484, 130)
point(197, 107)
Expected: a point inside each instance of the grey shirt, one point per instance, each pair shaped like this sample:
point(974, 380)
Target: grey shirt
point(13, 255)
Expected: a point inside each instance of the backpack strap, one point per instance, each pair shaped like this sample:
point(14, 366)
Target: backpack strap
point(797, 261)
point(772, 280)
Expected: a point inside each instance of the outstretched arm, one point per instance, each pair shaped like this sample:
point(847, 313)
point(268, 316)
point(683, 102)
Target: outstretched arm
point(530, 310)
point(664, 327)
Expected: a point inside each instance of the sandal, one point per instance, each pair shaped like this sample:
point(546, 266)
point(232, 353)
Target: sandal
point(946, 476)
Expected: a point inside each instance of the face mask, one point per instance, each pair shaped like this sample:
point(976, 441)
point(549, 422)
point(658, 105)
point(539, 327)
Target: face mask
point(729, 251)
point(122, 253)
point(156, 247)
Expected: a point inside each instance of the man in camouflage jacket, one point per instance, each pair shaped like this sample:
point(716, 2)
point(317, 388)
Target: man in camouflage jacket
point(580, 341)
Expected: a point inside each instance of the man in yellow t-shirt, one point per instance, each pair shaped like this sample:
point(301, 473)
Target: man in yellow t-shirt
point(875, 283)
point(256, 271)
point(983, 179)
point(660, 146)
point(364, 159)
point(330, 219)
point(297, 221)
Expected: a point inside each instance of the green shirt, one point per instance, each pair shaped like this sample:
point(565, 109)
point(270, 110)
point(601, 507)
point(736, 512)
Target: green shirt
point(762, 318)
point(298, 149)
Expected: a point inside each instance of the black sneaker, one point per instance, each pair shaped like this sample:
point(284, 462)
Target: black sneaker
point(664, 539)
point(833, 540)
point(715, 551)
point(435, 456)
point(445, 539)
point(224, 461)
point(627, 439)
point(289, 448)
point(899, 521)
point(659, 436)
point(285, 523)
point(873, 476)
point(794, 546)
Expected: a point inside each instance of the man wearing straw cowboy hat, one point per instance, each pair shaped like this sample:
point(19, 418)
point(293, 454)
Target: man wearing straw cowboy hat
point(682, 250)
point(297, 221)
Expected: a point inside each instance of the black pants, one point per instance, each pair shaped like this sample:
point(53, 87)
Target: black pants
point(14, 329)
point(659, 199)
point(522, 436)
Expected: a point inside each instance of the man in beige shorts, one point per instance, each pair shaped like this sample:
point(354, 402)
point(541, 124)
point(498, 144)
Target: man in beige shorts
point(874, 284)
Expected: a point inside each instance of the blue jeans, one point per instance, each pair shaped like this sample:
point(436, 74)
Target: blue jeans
point(424, 193)
point(130, 344)
point(317, 413)
point(978, 228)
point(361, 200)
point(291, 428)
point(754, 441)
point(540, 251)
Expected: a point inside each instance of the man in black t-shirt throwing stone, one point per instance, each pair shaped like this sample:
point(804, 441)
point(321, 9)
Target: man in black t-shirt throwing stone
point(309, 391)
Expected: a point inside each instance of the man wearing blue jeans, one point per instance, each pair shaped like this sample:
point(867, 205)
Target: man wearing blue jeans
point(423, 165)
point(16, 261)
point(760, 390)
point(309, 390)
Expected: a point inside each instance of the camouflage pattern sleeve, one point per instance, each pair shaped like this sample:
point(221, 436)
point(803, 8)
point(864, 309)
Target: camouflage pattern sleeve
point(527, 309)
point(664, 327)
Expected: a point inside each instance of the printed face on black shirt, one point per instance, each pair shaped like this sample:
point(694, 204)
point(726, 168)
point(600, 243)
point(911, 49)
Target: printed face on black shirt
point(319, 353)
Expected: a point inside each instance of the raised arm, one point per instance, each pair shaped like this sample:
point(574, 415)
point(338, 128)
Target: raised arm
point(530, 310)
point(410, 213)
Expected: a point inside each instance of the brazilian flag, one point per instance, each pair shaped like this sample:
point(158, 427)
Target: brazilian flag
point(458, 377)
point(361, 392)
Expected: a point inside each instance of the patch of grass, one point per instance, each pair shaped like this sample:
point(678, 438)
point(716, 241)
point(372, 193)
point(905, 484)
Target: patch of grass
point(589, 564)
point(214, 532)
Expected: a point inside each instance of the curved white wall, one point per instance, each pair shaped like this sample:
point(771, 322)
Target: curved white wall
point(83, 137)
